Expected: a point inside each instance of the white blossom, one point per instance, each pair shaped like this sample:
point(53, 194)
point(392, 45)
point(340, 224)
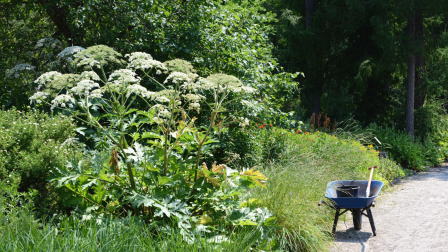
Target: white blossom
point(61, 100)
point(138, 90)
point(244, 122)
point(176, 77)
point(158, 120)
point(38, 97)
point(142, 64)
point(194, 106)
point(164, 113)
point(89, 75)
point(70, 51)
point(47, 43)
point(46, 78)
point(158, 107)
point(193, 97)
point(205, 84)
point(19, 68)
point(90, 62)
point(84, 87)
point(97, 93)
point(138, 55)
point(124, 76)
point(162, 99)
point(190, 86)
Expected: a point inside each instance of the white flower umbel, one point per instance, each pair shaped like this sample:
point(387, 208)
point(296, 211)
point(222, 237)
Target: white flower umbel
point(89, 75)
point(177, 77)
point(97, 93)
point(46, 78)
point(70, 51)
point(138, 55)
point(138, 90)
point(193, 97)
point(194, 106)
point(205, 84)
point(89, 62)
point(143, 64)
point(162, 99)
point(48, 43)
point(246, 89)
point(158, 120)
point(190, 86)
point(124, 76)
point(244, 122)
point(18, 69)
point(38, 97)
point(62, 101)
point(164, 114)
point(83, 87)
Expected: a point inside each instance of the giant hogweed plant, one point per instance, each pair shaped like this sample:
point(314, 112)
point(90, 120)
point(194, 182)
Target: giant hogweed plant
point(148, 162)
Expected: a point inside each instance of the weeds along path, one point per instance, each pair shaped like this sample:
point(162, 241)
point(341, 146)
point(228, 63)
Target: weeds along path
point(413, 216)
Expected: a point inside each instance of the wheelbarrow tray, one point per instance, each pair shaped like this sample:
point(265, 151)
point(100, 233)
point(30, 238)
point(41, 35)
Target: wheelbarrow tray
point(359, 202)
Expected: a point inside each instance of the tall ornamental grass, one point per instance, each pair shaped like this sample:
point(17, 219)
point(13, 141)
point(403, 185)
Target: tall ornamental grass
point(298, 180)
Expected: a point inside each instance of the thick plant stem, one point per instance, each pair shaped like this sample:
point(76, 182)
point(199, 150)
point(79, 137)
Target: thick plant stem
point(165, 164)
point(201, 142)
point(131, 176)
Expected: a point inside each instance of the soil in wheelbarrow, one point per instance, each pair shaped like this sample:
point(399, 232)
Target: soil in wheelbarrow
point(413, 216)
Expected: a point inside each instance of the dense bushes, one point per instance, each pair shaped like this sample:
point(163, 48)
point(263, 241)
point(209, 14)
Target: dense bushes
point(32, 143)
point(406, 150)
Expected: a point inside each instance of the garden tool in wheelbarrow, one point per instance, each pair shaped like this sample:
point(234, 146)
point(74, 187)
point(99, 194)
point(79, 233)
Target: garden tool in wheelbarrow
point(356, 196)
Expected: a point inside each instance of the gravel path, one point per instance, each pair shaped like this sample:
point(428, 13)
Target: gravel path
point(412, 217)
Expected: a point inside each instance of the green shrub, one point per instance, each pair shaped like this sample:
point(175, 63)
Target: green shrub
point(32, 143)
point(406, 150)
point(389, 170)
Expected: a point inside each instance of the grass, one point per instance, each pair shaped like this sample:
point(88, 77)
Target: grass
point(28, 235)
point(297, 182)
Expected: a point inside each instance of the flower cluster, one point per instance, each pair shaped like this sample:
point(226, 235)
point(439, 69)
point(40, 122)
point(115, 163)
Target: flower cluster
point(19, 68)
point(88, 62)
point(89, 75)
point(138, 55)
point(84, 87)
point(68, 52)
point(38, 97)
point(62, 101)
point(143, 61)
point(244, 122)
point(138, 90)
point(124, 76)
point(48, 43)
point(46, 78)
point(176, 77)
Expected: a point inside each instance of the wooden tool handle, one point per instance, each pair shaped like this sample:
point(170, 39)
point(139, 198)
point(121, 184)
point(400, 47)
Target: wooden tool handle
point(370, 180)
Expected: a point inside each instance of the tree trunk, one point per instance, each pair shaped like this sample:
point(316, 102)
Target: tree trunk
point(420, 87)
point(309, 9)
point(314, 94)
point(411, 79)
point(57, 15)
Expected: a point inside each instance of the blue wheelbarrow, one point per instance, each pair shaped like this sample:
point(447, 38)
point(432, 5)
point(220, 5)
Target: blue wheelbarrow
point(350, 195)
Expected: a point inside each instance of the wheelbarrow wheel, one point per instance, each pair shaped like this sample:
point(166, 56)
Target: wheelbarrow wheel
point(357, 218)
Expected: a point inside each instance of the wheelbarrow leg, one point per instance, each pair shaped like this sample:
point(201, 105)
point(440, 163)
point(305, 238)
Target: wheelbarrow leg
point(336, 217)
point(372, 223)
